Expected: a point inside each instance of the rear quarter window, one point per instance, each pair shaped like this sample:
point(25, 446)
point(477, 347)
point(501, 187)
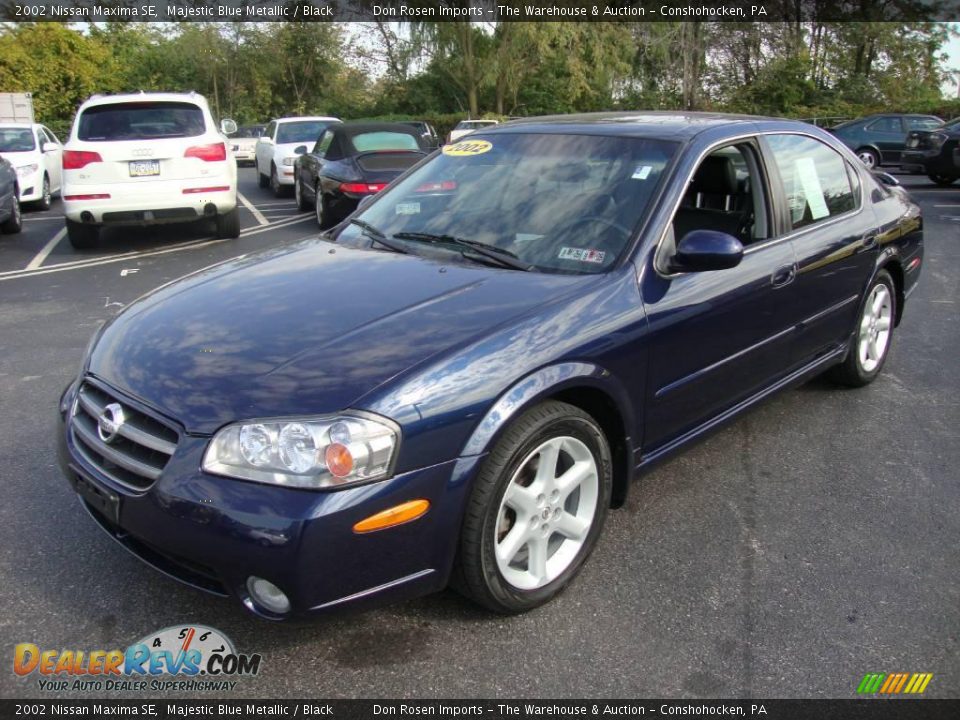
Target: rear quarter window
point(140, 121)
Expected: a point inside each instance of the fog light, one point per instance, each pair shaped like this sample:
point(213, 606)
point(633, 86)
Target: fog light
point(267, 595)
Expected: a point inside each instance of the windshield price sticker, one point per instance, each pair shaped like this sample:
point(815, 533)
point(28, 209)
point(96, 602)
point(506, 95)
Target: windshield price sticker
point(468, 148)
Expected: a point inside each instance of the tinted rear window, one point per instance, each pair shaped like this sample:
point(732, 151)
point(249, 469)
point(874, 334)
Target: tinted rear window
point(141, 121)
point(367, 142)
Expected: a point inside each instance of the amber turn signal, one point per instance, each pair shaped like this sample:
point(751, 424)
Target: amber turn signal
point(397, 515)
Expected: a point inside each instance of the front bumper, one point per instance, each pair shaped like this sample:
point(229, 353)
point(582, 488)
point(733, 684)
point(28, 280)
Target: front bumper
point(945, 161)
point(214, 532)
point(31, 186)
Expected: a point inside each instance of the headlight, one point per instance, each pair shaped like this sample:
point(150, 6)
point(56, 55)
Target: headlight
point(305, 453)
point(937, 139)
point(24, 170)
point(289, 160)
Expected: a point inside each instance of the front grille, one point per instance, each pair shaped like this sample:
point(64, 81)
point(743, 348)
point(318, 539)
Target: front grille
point(139, 452)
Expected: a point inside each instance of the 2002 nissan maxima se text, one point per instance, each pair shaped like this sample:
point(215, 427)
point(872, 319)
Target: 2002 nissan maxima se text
point(455, 384)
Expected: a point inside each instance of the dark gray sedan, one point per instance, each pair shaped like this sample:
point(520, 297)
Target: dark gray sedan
point(10, 219)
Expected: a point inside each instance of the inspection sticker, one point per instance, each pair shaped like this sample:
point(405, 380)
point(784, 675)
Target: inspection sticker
point(641, 173)
point(410, 208)
point(582, 255)
point(466, 148)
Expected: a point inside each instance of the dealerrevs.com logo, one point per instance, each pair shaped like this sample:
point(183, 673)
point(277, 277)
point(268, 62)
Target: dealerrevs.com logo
point(184, 658)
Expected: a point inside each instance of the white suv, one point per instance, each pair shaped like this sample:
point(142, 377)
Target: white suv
point(147, 158)
point(276, 148)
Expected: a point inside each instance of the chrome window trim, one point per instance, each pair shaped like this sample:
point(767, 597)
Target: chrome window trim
point(772, 241)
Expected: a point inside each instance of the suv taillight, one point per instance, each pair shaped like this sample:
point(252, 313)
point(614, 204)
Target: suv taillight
point(77, 159)
point(217, 152)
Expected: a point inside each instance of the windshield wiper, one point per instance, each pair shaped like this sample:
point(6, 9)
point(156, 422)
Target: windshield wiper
point(504, 258)
point(377, 235)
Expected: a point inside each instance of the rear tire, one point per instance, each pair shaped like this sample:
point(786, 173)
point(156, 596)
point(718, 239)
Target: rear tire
point(536, 509)
point(13, 224)
point(228, 224)
point(82, 237)
point(943, 180)
point(322, 210)
point(872, 337)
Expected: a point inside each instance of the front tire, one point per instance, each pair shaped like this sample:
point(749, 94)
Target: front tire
point(82, 237)
point(943, 180)
point(13, 224)
point(275, 186)
point(536, 510)
point(45, 200)
point(871, 340)
point(228, 224)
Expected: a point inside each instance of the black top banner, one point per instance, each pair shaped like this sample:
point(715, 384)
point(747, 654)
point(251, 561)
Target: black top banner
point(478, 10)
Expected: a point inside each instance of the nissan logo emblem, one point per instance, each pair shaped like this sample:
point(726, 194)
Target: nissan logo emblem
point(109, 422)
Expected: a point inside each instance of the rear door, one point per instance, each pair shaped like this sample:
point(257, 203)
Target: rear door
point(834, 235)
point(53, 160)
point(264, 149)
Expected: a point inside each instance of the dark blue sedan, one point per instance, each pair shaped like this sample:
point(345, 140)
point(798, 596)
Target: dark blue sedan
point(456, 383)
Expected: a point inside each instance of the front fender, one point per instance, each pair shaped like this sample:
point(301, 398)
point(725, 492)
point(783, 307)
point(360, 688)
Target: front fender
point(541, 384)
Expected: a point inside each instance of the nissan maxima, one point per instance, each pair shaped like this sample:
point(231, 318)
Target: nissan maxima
point(456, 383)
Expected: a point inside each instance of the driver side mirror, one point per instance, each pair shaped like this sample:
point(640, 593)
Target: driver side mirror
point(300, 150)
point(228, 127)
point(703, 250)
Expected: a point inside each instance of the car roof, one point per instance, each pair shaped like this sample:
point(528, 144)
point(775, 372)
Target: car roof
point(19, 125)
point(295, 118)
point(654, 124)
point(351, 129)
point(190, 97)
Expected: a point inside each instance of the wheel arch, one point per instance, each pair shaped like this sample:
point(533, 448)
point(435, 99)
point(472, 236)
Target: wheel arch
point(584, 385)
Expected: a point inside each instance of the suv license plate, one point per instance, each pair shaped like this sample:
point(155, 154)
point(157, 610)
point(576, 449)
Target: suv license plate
point(144, 168)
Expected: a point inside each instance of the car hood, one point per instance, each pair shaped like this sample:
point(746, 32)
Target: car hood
point(307, 329)
point(285, 150)
point(20, 158)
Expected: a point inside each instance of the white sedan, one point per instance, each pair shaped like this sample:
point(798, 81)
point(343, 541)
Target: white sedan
point(276, 148)
point(35, 153)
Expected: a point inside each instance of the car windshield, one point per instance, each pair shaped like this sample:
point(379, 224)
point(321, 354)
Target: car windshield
point(249, 131)
point(14, 139)
point(141, 121)
point(557, 203)
point(302, 131)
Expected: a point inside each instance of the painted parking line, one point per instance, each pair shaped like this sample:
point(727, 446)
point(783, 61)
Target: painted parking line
point(258, 216)
point(289, 203)
point(192, 245)
point(47, 249)
point(41, 219)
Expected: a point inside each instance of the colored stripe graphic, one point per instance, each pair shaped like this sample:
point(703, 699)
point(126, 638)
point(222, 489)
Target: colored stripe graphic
point(894, 683)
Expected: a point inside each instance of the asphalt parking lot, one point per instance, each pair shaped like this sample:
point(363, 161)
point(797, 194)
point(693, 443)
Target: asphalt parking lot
point(812, 541)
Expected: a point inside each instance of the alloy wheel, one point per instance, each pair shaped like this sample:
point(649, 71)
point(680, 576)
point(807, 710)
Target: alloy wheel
point(546, 513)
point(868, 158)
point(875, 327)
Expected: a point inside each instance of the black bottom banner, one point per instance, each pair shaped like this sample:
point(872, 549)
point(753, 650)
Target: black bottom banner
point(927, 709)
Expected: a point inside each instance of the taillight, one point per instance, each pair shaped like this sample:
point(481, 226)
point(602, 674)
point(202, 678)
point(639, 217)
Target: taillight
point(217, 152)
point(362, 188)
point(438, 186)
point(77, 159)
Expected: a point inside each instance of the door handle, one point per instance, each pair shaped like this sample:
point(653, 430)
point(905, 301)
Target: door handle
point(869, 241)
point(783, 275)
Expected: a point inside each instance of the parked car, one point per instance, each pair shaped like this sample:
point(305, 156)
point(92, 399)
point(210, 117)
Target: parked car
point(274, 150)
point(36, 154)
point(935, 153)
point(880, 139)
point(465, 127)
point(144, 159)
point(351, 161)
point(243, 143)
point(427, 132)
point(10, 218)
point(464, 378)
